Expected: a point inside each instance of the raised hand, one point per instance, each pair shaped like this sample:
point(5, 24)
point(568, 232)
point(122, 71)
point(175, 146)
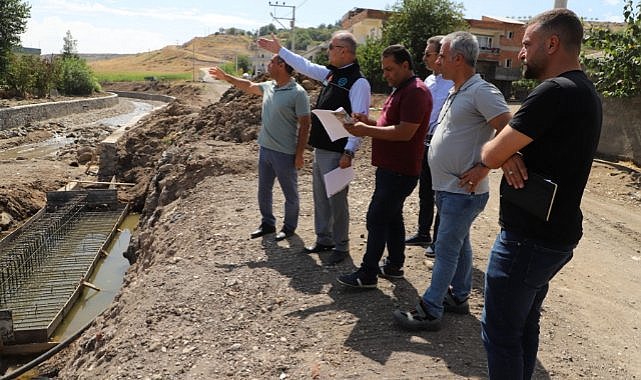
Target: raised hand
point(272, 45)
point(217, 73)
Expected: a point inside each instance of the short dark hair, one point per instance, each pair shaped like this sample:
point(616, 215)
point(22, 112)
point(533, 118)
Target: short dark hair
point(564, 23)
point(400, 54)
point(288, 68)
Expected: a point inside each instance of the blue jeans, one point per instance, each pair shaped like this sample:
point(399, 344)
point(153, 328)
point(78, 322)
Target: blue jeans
point(331, 215)
point(385, 219)
point(516, 283)
point(272, 165)
point(453, 262)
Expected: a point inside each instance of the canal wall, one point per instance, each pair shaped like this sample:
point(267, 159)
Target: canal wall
point(21, 115)
point(145, 96)
point(107, 150)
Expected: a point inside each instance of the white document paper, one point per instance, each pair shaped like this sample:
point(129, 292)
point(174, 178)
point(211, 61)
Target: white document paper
point(338, 179)
point(333, 122)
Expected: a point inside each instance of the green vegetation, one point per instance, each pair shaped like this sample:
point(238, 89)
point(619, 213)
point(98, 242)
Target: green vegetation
point(140, 76)
point(414, 21)
point(70, 46)
point(28, 74)
point(617, 71)
point(33, 76)
point(411, 24)
point(369, 58)
point(75, 77)
point(13, 21)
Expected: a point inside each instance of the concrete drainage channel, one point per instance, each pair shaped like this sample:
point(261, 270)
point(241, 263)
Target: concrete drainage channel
point(56, 264)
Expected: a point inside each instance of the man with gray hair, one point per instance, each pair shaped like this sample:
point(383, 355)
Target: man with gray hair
point(343, 86)
point(469, 118)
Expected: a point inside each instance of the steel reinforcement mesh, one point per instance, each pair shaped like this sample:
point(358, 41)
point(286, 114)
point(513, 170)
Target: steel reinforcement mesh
point(23, 256)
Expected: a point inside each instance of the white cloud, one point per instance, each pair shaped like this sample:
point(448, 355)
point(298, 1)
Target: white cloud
point(48, 36)
point(100, 27)
point(611, 2)
point(149, 13)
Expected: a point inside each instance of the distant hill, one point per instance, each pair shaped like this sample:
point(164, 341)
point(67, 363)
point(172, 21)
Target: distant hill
point(200, 51)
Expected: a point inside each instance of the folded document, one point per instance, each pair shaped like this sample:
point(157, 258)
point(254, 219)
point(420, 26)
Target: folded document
point(338, 179)
point(333, 122)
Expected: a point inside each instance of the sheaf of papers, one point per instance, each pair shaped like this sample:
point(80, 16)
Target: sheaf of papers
point(333, 122)
point(338, 179)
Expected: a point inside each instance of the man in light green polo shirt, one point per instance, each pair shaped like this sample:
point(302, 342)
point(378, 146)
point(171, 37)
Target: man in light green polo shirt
point(282, 140)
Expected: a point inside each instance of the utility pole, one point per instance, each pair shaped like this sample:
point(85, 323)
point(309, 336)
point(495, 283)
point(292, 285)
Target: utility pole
point(193, 61)
point(292, 20)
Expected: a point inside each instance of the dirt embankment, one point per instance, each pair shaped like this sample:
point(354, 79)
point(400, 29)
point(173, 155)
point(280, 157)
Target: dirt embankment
point(203, 301)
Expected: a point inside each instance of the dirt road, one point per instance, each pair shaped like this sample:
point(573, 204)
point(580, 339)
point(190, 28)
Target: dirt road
point(203, 301)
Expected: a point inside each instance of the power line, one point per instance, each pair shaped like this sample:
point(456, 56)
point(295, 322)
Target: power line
point(292, 20)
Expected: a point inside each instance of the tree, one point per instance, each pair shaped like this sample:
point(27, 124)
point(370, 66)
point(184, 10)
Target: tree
point(69, 47)
point(243, 63)
point(369, 59)
point(13, 21)
point(266, 30)
point(618, 70)
point(414, 21)
point(75, 77)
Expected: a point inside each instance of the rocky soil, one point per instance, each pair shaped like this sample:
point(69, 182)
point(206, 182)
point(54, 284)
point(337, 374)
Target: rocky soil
point(203, 301)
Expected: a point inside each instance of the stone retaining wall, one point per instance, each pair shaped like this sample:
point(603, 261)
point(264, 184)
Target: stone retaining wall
point(145, 96)
point(21, 115)
point(621, 131)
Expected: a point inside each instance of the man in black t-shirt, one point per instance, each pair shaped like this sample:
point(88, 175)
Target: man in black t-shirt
point(555, 135)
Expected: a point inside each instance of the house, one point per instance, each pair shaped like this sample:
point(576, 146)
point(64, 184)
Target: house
point(27, 50)
point(260, 59)
point(499, 42)
point(364, 23)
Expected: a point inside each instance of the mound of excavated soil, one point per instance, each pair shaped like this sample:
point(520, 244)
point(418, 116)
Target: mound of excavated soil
point(235, 118)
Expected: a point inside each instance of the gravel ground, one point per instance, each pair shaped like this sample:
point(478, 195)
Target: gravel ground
point(203, 301)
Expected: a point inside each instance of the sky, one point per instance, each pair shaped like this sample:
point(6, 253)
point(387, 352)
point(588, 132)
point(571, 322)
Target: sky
point(127, 27)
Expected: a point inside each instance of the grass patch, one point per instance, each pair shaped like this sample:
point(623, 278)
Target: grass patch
point(139, 76)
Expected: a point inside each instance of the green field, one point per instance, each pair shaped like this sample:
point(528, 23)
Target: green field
point(139, 76)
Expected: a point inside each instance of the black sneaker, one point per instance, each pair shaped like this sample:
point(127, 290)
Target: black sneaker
point(429, 251)
point(452, 305)
point(417, 319)
point(389, 270)
point(358, 279)
point(418, 239)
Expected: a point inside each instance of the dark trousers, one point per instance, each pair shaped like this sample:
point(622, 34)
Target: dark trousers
point(426, 200)
point(385, 225)
point(516, 283)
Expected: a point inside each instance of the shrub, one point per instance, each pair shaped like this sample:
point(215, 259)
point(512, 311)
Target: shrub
point(28, 75)
point(618, 69)
point(76, 77)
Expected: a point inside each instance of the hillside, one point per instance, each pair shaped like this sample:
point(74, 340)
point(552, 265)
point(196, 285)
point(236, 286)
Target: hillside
point(200, 51)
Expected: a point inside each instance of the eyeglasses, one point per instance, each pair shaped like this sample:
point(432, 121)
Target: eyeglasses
point(331, 47)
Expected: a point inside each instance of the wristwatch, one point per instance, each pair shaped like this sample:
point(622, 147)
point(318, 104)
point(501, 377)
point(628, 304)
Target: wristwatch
point(349, 152)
